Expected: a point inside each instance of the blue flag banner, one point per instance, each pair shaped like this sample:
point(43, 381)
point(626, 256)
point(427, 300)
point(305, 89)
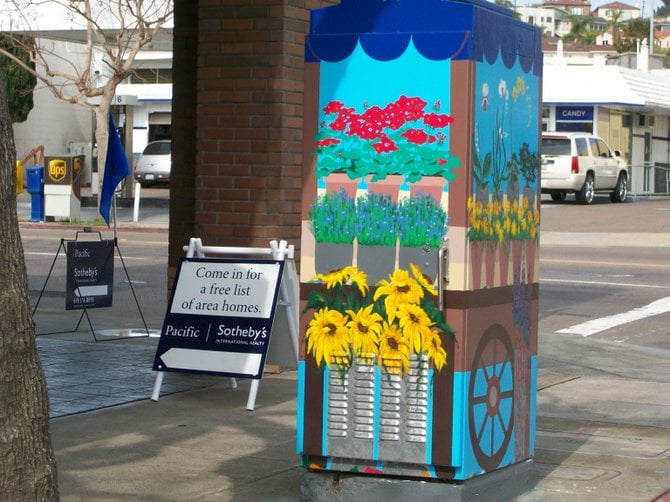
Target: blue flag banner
point(116, 168)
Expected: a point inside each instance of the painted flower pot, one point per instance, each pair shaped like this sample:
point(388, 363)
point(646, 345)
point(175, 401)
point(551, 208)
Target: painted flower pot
point(388, 186)
point(336, 182)
point(531, 254)
point(424, 258)
point(332, 256)
point(429, 185)
point(503, 258)
point(378, 262)
point(476, 261)
point(490, 263)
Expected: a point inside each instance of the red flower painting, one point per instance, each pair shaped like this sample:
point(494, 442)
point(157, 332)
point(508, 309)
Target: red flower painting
point(401, 137)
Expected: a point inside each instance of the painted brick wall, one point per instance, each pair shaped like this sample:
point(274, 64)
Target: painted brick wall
point(242, 130)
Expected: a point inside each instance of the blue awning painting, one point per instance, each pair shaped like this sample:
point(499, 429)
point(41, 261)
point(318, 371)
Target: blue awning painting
point(440, 30)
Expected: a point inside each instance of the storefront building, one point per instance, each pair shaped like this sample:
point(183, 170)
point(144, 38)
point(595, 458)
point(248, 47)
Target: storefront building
point(629, 109)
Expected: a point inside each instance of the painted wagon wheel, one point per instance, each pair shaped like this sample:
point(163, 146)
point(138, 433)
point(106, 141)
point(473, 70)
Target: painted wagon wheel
point(491, 397)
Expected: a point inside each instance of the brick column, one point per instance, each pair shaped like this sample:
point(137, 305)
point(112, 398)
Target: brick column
point(247, 136)
point(184, 99)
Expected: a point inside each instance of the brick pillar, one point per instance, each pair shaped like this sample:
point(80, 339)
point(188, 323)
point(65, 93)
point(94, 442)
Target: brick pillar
point(250, 121)
point(247, 135)
point(184, 99)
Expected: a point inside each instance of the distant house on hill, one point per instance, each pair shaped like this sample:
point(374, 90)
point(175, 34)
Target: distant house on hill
point(556, 17)
point(575, 54)
point(572, 7)
point(608, 11)
point(662, 39)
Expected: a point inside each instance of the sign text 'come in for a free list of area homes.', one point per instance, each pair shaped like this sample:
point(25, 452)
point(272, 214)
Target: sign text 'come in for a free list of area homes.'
point(219, 318)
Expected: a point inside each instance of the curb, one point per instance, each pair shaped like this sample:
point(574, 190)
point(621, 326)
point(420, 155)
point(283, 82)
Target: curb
point(126, 227)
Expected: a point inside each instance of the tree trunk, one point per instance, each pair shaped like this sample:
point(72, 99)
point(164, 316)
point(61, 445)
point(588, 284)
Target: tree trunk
point(27, 461)
point(101, 138)
point(102, 129)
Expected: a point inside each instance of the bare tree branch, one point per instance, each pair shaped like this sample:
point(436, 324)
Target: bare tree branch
point(115, 33)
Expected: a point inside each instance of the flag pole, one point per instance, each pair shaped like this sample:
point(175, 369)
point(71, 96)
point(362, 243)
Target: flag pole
point(114, 207)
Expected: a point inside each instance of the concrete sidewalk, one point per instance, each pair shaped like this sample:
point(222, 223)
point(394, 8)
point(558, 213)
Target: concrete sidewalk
point(594, 440)
point(153, 210)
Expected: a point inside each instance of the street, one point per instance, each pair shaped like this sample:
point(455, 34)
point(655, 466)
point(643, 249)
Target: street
point(144, 255)
point(606, 260)
point(596, 261)
point(604, 351)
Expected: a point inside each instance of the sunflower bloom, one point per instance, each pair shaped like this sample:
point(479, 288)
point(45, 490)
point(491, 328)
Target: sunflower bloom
point(432, 344)
point(334, 278)
point(422, 279)
point(359, 279)
point(415, 325)
point(365, 328)
point(393, 350)
point(401, 289)
point(327, 336)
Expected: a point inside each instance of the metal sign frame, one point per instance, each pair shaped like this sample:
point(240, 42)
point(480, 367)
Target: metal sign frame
point(72, 277)
point(195, 352)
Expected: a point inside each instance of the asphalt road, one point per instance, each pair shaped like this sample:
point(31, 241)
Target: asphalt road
point(140, 259)
point(607, 260)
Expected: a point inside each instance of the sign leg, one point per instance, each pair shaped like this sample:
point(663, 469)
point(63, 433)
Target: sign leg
point(157, 386)
point(253, 391)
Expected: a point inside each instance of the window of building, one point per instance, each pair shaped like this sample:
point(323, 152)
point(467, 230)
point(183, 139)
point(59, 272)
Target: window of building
point(574, 127)
point(646, 120)
point(151, 76)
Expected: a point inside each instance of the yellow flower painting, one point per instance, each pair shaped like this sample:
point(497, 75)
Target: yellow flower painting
point(398, 319)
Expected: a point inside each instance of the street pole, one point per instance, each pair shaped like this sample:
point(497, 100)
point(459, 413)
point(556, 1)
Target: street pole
point(651, 28)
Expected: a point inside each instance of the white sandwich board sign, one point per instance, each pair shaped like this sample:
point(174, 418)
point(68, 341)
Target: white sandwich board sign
point(220, 316)
point(221, 311)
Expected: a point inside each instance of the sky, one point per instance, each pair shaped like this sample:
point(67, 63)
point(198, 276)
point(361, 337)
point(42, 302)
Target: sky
point(50, 15)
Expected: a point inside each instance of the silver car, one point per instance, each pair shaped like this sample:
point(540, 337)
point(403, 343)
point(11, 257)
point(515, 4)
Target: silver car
point(154, 164)
point(582, 164)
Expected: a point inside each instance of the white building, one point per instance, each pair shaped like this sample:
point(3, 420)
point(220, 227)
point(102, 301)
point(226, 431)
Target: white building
point(144, 101)
point(554, 17)
point(543, 17)
point(624, 11)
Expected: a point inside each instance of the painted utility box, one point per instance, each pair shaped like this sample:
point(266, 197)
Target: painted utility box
point(419, 281)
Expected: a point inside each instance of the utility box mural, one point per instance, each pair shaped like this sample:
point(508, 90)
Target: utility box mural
point(420, 209)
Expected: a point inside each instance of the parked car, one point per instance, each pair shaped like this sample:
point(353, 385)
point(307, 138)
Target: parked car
point(154, 164)
point(582, 164)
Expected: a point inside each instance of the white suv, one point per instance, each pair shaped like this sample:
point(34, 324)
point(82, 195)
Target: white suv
point(582, 164)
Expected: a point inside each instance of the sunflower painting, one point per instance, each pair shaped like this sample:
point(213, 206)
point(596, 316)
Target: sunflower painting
point(389, 325)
